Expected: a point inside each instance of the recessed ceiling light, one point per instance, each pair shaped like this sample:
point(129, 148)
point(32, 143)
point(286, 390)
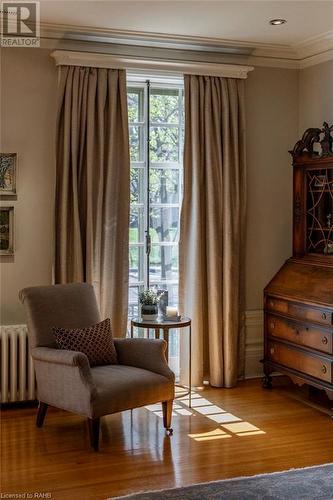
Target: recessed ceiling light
point(277, 22)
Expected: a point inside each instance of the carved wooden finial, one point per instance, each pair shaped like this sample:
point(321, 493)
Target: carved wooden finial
point(326, 142)
point(310, 137)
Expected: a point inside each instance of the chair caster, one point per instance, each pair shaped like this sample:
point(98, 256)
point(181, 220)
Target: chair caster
point(169, 432)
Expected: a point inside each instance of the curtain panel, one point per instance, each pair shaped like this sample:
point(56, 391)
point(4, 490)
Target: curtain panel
point(212, 234)
point(93, 186)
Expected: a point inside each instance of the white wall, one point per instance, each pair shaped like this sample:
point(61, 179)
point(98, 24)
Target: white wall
point(272, 123)
point(28, 107)
point(316, 96)
point(272, 109)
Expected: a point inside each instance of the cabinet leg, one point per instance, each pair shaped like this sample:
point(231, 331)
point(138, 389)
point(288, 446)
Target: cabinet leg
point(267, 382)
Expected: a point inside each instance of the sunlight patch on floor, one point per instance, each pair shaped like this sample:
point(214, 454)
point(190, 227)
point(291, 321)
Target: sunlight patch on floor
point(224, 418)
point(208, 436)
point(176, 410)
point(243, 429)
point(209, 410)
point(230, 425)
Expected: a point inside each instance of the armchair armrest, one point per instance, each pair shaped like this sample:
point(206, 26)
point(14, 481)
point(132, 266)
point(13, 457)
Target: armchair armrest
point(61, 356)
point(64, 379)
point(148, 354)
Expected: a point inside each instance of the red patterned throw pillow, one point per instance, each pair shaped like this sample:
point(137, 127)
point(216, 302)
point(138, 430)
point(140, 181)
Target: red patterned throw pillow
point(95, 341)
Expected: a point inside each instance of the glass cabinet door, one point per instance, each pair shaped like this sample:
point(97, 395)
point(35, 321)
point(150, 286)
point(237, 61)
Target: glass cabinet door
point(319, 211)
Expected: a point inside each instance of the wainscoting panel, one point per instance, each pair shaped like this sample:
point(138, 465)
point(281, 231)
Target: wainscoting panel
point(254, 343)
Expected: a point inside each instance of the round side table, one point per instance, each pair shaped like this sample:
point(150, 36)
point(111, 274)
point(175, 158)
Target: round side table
point(165, 325)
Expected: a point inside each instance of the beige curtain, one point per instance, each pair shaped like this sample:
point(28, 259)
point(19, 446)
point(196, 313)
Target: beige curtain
point(212, 227)
point(92, 186)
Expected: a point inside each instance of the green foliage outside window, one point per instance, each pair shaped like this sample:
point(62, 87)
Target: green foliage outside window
point(164, 182)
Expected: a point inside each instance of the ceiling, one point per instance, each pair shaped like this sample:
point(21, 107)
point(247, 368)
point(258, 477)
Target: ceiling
point(245, 21)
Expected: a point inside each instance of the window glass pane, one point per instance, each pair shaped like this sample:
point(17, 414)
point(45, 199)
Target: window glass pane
point(135, 104)
point(136, 231)
point(135, 264)
point(137, 185)
point(133, 301)
point(164, 224)
point(174, 358)
point(164, 105)
point(164, 142)
point(164, 263)
point(136, 143)
point(164, 185)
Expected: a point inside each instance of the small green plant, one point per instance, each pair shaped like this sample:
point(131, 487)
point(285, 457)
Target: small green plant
point(148, 297)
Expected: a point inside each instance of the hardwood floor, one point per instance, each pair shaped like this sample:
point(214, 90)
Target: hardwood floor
point(228, 433)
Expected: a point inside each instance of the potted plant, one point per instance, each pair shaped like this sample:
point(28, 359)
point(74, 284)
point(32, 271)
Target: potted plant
point(149, 300)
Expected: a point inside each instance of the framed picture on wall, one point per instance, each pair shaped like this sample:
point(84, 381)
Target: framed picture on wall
point(8, 166)
point(6, 230)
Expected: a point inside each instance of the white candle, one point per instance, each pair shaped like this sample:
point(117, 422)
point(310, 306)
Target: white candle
point(171, 311)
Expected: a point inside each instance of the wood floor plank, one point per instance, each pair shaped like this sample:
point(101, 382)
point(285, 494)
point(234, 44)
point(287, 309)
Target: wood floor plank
point(228, 433)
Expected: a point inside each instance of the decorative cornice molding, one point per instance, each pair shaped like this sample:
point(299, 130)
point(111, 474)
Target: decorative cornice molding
point(316, 59)
point(273, 62)
point(306, 53)
point(314, 45)
point(63, 57)
point(161, 40)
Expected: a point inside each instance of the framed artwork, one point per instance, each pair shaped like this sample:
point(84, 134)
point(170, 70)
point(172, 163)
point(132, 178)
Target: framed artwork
point(6, 230)
point(8, 164)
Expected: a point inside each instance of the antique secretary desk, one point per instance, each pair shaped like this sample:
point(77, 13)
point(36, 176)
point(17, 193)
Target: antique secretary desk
point(298, 302)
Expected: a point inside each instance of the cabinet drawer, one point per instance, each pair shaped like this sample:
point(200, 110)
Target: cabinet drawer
point(306, 335)
point(277, 305)
point(300, 311)
point(313, 365)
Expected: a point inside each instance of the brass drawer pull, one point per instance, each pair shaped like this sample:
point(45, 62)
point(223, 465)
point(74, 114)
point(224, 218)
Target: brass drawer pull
point(272, 350)
point(271, 303)
point(324, 340)
point(323, 369)
point(324, 316)
point(272, 325)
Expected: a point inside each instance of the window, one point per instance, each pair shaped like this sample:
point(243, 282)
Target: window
point(156, 147)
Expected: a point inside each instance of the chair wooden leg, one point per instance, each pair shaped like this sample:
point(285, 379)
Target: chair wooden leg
point(94, 426)
point(41, 412)
point(167, 415)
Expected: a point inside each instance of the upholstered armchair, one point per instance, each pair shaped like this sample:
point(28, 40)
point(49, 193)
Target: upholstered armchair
point(65, 379)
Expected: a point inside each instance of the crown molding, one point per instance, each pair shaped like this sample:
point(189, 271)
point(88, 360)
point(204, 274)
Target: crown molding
point(317, 59)
point(273, 62)
point(314, 45)
point(64, 57)
point(131, 37)
point(162, 40)
point(306, 53)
